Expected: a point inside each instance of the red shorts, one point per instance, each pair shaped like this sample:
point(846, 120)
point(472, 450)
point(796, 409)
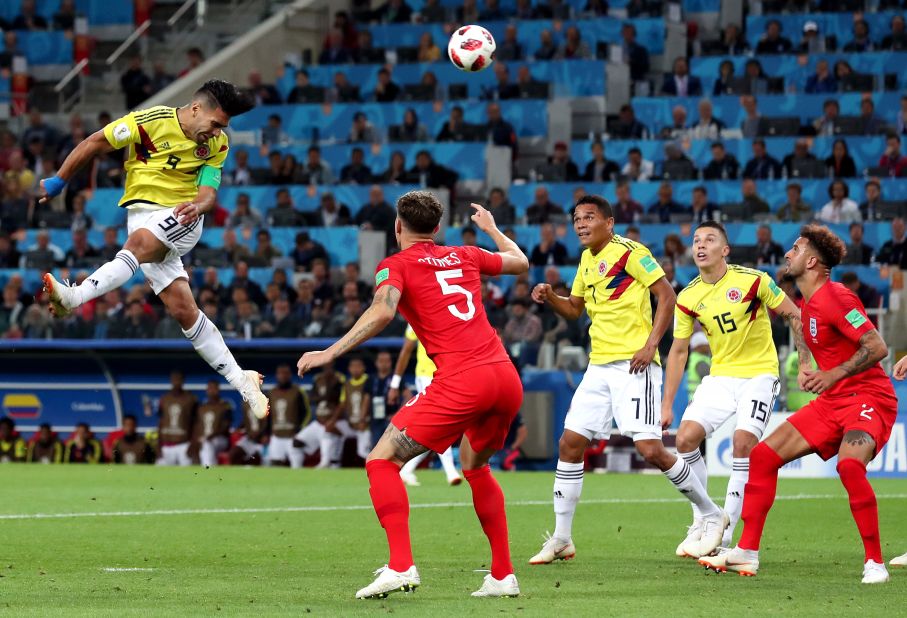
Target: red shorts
point(824, 421)
point(479, 403)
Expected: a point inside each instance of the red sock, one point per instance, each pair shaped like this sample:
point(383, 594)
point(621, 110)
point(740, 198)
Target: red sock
point(862, 505)
point(488, 500)
point(392, 507)
point(759, 494)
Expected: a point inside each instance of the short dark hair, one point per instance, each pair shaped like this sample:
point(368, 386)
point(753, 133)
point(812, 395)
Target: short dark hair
point(795, 185)
point(603, 205)
point(715, 225)
point(717, 145)
point(701, 189)
point(873, 181)
point(838, 181)
point(218, 93)
point(420, 211)
point(826, 243)
point(130, 416)
point(634, 150)
point(854, 224)
point(849, 277)
point(468, 230)
point(8, 422)
point(44, 426)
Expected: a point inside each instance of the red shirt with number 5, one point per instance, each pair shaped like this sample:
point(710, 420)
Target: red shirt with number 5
point(441, 298)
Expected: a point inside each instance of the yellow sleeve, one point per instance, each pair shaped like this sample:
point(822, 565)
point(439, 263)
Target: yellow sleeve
point(579, 286)
point(122, 131)
point(769, 292)
point(643, 267)
point(683, 319)
point(410, 334)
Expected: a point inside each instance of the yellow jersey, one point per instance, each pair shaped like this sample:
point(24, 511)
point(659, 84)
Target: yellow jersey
point(162, 164)
point(615, 285)
point(425, 368)
point(735, 320)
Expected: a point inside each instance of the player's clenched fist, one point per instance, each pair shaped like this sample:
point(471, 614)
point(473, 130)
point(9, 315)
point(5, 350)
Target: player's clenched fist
point(186, 213)
point(900, 369)
point(540, 293)
point(483, 219)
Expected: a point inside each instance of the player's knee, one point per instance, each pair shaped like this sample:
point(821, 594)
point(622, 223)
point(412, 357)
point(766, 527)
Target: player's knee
point(184, 312)
point(744, 442)
point(570, 450)
point(685, 443)
point(653, 451)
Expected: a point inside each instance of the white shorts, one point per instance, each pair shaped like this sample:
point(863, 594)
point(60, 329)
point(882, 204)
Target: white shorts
point(249, 447)
point(422, 383)
point(282, 449)
point(609, 392)
point(718, 398)
point(175, 455)
point(312, 434)
point(179, 239)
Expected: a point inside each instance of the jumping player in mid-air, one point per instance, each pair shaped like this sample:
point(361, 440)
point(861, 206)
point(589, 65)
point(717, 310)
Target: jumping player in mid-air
point(476, 391)
point(173, 170)
point(852, 417)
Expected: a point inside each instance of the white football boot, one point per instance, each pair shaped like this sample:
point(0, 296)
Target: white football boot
point(491, 587)
point(742, 561)
point(874, 573)
point(554, 549)
point(252, 395)
point(713, 527)
point(900, 561)
point(61, 296)
point(390, 581)
point(689, 547)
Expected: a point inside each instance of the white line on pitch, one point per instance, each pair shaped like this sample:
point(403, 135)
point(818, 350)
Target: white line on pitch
point(126, 569)
point(368, 507)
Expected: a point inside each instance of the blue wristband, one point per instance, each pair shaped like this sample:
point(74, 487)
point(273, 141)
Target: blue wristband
point(53, 186)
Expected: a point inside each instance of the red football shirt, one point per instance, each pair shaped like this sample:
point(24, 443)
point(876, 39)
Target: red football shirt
point(833, 322)
point(441, 298)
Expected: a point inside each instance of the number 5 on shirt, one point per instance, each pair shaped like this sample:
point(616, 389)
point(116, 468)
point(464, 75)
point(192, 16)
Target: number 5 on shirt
point(446, 288)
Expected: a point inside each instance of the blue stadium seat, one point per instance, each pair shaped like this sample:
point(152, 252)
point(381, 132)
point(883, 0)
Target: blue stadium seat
point(106, 13)
point(333, 122)
point(570, 78)
point(44, 47)
point(839, 25)
point(797, 69)
point(341, 243)
point(656, 111)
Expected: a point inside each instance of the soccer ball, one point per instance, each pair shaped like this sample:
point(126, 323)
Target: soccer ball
point(471, 48)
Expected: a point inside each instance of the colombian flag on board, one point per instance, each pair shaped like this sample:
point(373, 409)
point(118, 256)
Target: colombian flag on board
point(21, 405)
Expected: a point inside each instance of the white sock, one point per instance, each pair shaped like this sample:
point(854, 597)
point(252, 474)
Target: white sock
point(682, 477)
point(363, 442)
point(410, 466)
point(108, 277)
point(447, 462)
point(209, 344)
point(733, 501)
point(327, 449)
point(296, 457)
point(568, 485)
point(697, 465)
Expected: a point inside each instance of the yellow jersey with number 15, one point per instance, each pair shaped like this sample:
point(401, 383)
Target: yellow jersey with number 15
point(425, 368)
point(732, 312)
point(162, 164)
point(615, 285)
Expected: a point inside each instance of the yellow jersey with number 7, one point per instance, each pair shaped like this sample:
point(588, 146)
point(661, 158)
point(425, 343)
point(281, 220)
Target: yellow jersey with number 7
point(615, 286)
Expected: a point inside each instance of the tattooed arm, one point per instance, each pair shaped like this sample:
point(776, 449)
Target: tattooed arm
point(872, 349)
point(372, 322)
point(791, 314)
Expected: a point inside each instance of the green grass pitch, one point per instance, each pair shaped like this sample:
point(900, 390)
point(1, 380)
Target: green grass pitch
point(235, 541)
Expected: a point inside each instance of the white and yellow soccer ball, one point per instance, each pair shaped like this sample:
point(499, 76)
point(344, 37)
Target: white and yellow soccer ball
point(471, 48)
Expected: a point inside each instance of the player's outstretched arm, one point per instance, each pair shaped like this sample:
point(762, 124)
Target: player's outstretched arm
point(674, 366)
point(667, 300)
point(569, 307)
point(515, 261)
point(406, 352)
point(94, 145)
point(900, 369)
point(372, 322)
point(872, 349)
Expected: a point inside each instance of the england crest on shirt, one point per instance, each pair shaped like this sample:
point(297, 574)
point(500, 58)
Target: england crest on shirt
point(813, 327)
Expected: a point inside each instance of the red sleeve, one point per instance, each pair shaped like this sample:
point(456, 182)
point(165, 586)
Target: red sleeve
point(846, 312)
point(389, 272)
point(489, 263)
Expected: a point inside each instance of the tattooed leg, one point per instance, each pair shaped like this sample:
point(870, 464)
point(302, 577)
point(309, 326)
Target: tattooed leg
point(396, 446)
